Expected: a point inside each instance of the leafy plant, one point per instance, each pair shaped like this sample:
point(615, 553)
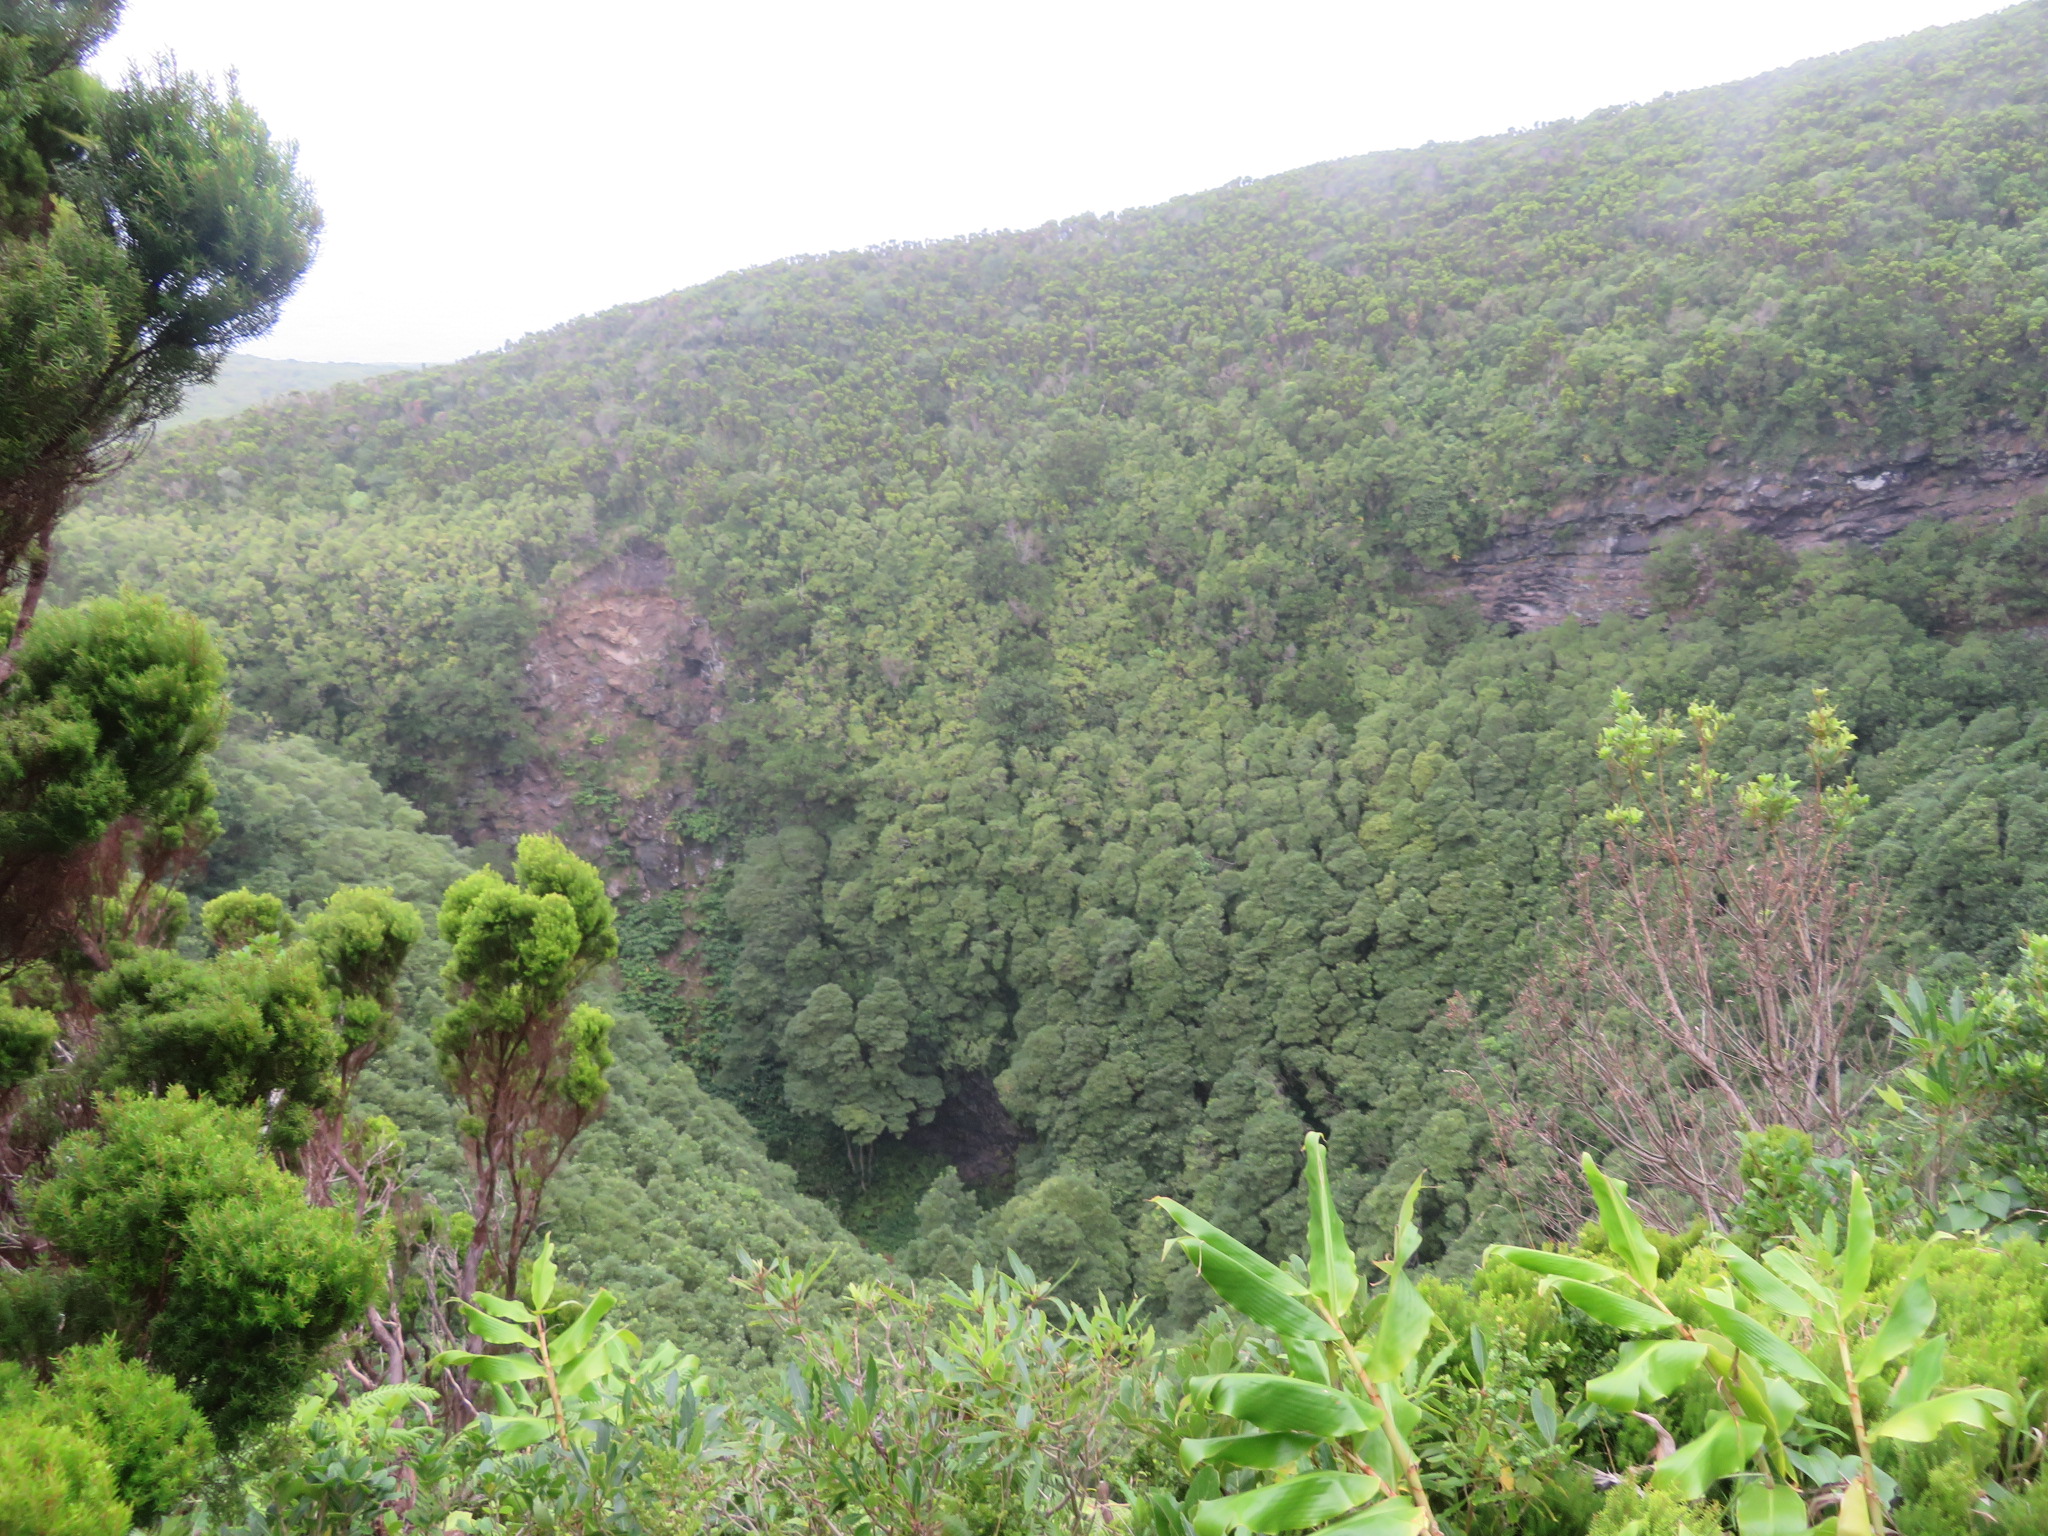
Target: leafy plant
point(1783, 1340)
point(1334, 1428)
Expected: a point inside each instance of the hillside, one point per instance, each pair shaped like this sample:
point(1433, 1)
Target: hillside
point(1067, 632)
point(245, 381)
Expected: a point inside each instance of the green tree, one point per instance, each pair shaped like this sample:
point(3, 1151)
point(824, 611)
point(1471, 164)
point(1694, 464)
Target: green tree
point(104, 730)
point(145, 231)
point(846, 1064)
point(526, 1063)
point(203, 1251)
point(1065, 1228)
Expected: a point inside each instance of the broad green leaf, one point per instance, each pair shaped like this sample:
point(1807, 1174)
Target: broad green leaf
point(1623, 1312)
point(1254, 1295)
point(1332, 1267)
point(494, 1331)
point(1852, 1515)
point(1543, 1409)
point(1793, 1270)
point(1389, 1517)
point(592, 1363)
point(1268, 1452)
point(1407, 1236)
point(1222, 1242)
point(1921, 1375)
point(1910, 1318)
point(1971, 1407)
point(1761, 1511)
point(1625, 1234)
point(1858, 1245)
point(1404, 1324)
point(540, 1279)
point(516, 1432)
point(1761, 1284)
point(1570, 1266)
point(503, 1306)
point(1283, 1403)
point(1723, 1450)
point(1758, 1342)
point(572, 1339)
point(1647, 1372)
point(1308, 1361)
point(501, 1369)
point(1293, 1505)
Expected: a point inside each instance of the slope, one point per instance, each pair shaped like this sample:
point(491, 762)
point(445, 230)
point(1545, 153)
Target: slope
point(1069, 593)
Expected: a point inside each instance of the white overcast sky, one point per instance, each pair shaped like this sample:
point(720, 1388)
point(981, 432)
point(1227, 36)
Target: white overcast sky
point(489, 170)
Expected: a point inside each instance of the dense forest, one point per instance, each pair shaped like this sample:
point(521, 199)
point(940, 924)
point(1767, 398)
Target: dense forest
point(1109, 860)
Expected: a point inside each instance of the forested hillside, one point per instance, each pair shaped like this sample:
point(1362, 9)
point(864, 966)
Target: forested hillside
point(1104, 788)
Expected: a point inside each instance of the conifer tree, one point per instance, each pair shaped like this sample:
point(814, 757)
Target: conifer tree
point(145, 231)
point(526, 1063)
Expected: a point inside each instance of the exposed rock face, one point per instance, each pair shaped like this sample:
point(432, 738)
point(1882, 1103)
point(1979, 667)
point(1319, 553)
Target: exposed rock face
point(1587, 557)
point(620, 679)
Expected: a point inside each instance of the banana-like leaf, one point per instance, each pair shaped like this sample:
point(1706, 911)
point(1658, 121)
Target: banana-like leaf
point(515, 1432)
point(1761, 1284)
point(540, 1279)
point(1332, 1267)
point(1625, 1234)
point(1294, 1505)
point(1569, 1266)
point(578, 1334)
point(496, 1331)
point(591, 1364)
point(1971, 1407)
point(1758, 1342)
point(1623, 1312)
point(497, 1369)
point(1723, 1450)
point(1285, 1404)
point(503, 1306)
point(1793, 1270)
point(1222, 1242)
point(1648, 1372)
point(1251, 1293)
point(1909, 1319)
point(1268, 1452)
point(1761, 1511)
point(1389, 1517)
point(1858, 1245)
point(1404, 1324)
point(1407, 1236)
point(1852, 1515)
point(1308, 1361)
point(1921, 1375)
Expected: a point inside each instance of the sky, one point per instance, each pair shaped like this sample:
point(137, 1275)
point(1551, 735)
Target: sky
point(493, 169)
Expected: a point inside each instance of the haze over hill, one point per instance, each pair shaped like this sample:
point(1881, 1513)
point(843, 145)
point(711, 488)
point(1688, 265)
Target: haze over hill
point(244, 381)
point(1037, 646)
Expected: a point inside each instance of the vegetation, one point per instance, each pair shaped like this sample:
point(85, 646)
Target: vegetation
point(1110, 856)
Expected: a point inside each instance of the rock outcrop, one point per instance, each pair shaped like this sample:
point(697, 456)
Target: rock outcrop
point(620, 680)
point(1587, 557)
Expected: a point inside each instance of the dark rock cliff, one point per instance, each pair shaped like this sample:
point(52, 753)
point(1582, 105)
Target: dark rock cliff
point(1587, 557)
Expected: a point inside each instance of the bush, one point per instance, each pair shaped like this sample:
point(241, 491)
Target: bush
point(55, 1482)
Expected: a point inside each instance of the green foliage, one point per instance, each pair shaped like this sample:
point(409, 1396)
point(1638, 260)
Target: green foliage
point(1632, 1510)
point(845, 1064)
point(155, 1441)
point(252, 1026)
point(104, 730)
point(298, 822)
point(1065, 1228)
point(26, 1036)
point(215, 1268)
point(54, 1481)
point(238, 919)
point(527, 1066)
